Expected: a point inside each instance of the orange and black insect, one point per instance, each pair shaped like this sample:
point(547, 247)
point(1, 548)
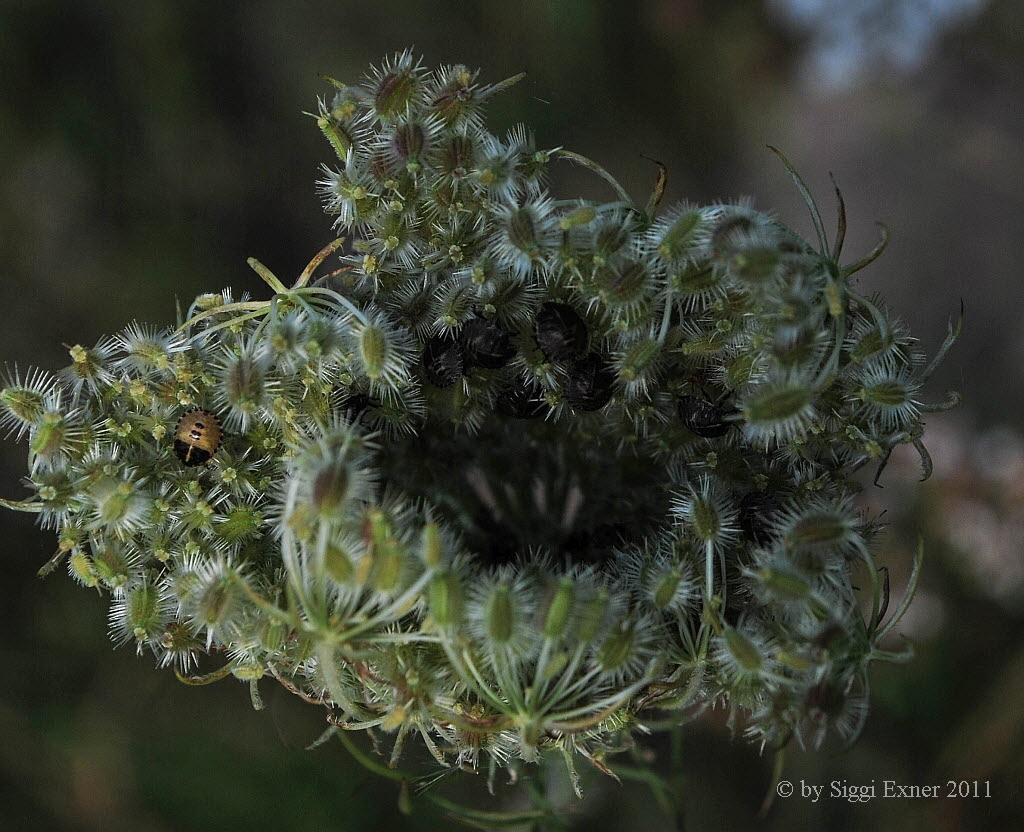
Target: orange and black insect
point(197, 437)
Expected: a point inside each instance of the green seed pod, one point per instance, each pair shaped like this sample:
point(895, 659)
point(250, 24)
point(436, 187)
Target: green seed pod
point(558, 617)
point(740, 369)
point(700, 344)
point(81, 568)
point(583, 215)
point(779, 409)
point(522, 232)
point(696, 284)
point(373, 350)
point(456, 155)
point(51, 436)
point(330, 487)
point(592, 614)
point(706, 522)
point(111, 566)
point(273, 634)
point(618, 651)
point(408, 142)
point(454, 97)
point(197, 515)
point(242, 523)
point(886, 394)
point(887, 397)
point(394, 90)
point(637, 364)
point(872, 343)
point(179, 642)
point(445, 600)
point(242, 388)
point(26, 406)
point(743, 650)
point(625, 285)
point(89, 366)
point(185, 584)
point(394, 720)
point(755, 265)
point(381, 352)
point(676, 239)
point(667, 588)
point(338, 564)
point(794, 661)
point(612, 232)
point(783, 585)
point(218, 601)
point(777, 405)
point(834, 298)
point(555, 664)
point(386, 552)
point(141, 614)
point(249, 671)
point(818, 529)
point(500, 615)
point(338, 134)
point(432, 545)
point(118, 506)
point(389, 560)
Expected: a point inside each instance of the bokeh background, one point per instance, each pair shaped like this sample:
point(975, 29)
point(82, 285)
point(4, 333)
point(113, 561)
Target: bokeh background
point(148, 148)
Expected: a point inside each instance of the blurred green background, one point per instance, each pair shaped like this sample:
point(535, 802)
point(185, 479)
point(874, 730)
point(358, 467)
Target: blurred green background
point(148, 148)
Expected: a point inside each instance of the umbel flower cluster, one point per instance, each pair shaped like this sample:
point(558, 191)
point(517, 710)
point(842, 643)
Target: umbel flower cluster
point(520, 475)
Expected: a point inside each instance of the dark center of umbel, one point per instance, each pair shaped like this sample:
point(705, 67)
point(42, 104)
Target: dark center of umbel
point(517, 486)
point(524, 482)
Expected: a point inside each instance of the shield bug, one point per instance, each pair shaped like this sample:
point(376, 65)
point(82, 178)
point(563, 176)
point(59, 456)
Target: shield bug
point(521, 402)
point(704, 418)
point(560, 332)
point(589, 386)
point(197, 437)
point(485, 344)
point(443, 361)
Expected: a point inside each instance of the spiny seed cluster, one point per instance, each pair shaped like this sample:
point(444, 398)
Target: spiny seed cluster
point(519, 472)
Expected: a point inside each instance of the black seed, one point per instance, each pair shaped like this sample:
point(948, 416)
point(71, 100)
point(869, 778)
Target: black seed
point(754, 518)
point(442, 361)
point(521, 402)
point(485, 344)
point(560, 332)
point(704, 418)
point(589, 386)
point(191, 455)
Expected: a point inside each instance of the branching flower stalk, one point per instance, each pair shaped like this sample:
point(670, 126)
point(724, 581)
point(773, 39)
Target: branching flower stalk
point(521, 476)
